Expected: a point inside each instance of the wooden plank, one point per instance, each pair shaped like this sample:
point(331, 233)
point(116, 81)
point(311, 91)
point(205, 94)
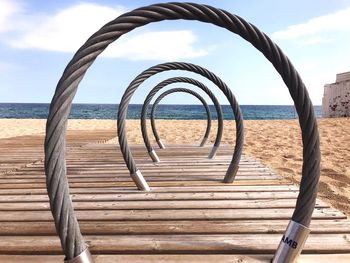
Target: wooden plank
point(185, 244)
point(165, 196)
point(150, 168)
point(174, 227)
point(113, 177)
point(152, 184)
point(159, 204)
point(101, 169)
point(170, 176)
point(171, 214)
point(222, 188)
point(252, 258)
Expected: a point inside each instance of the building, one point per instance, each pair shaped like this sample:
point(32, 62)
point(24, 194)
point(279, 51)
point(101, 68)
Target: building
point(336, 97)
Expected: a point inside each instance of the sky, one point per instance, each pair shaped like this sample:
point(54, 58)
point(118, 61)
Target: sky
point(38, 39)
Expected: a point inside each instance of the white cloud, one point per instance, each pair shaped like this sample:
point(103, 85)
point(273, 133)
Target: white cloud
point(69, 28)
point(8, 9)
point(316, 40)
point(339, 21)
point(166, 45)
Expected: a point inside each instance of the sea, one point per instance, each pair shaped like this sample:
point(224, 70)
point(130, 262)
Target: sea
point(164, 111)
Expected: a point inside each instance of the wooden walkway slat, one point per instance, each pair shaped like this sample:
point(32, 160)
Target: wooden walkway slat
point(159, 196)
point(161, 227)
point(16, 153)
point(321, 258)
point(157, 204)
point(219, 188)
point(186, 244)
point(171, 214)
point(190, 215)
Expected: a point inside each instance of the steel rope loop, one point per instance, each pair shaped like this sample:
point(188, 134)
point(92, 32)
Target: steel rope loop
point(55, 165)
point(124, 147)
point(183, 90)
point(188, 80)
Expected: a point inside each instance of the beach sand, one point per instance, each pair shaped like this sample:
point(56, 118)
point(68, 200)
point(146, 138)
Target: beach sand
point(276, 143)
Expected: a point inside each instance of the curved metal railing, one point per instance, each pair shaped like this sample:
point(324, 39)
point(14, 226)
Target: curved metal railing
point(183, 90)
point(123, 106)
point(200, 85)
point(65, 220)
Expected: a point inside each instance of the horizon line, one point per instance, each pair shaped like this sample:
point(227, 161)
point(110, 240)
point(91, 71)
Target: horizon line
point(87, 103)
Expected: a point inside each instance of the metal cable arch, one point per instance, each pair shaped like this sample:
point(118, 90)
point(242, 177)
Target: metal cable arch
point(55, 167)
point(200, 85)
point(183, 90)
point(123, 106)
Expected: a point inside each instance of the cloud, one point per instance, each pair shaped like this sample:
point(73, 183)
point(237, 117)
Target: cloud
point(66, 30)
point(166, 45)
point(69, 28)
point(339, 21)
point(7, 12)
point(316, 40)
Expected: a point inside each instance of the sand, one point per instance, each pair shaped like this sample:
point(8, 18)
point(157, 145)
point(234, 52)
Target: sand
point(275, 143)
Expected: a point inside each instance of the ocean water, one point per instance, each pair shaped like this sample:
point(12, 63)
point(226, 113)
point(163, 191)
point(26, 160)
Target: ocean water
point(180, 112)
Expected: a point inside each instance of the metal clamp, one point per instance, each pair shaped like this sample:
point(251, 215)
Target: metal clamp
point(154, 156)
point(140, 181)
point(160, 144)
point(84, 257)
point(213, 151)
point(291, 243)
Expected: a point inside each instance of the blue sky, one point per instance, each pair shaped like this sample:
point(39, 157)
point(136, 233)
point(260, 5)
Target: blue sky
point(38, 38)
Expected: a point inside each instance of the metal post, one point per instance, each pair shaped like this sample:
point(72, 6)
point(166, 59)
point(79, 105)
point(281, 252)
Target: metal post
point(84, 257)
point(160, 144)
point(292, 243)
point(140, 181)
point(154, 156)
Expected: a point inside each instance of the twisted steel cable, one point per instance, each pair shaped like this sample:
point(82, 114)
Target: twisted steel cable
point(123, 106)
point(55, 167)
point(183, 90)
point(173, 80)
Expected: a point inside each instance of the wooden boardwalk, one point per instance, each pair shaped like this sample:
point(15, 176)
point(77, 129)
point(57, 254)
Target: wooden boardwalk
point(189, 216)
